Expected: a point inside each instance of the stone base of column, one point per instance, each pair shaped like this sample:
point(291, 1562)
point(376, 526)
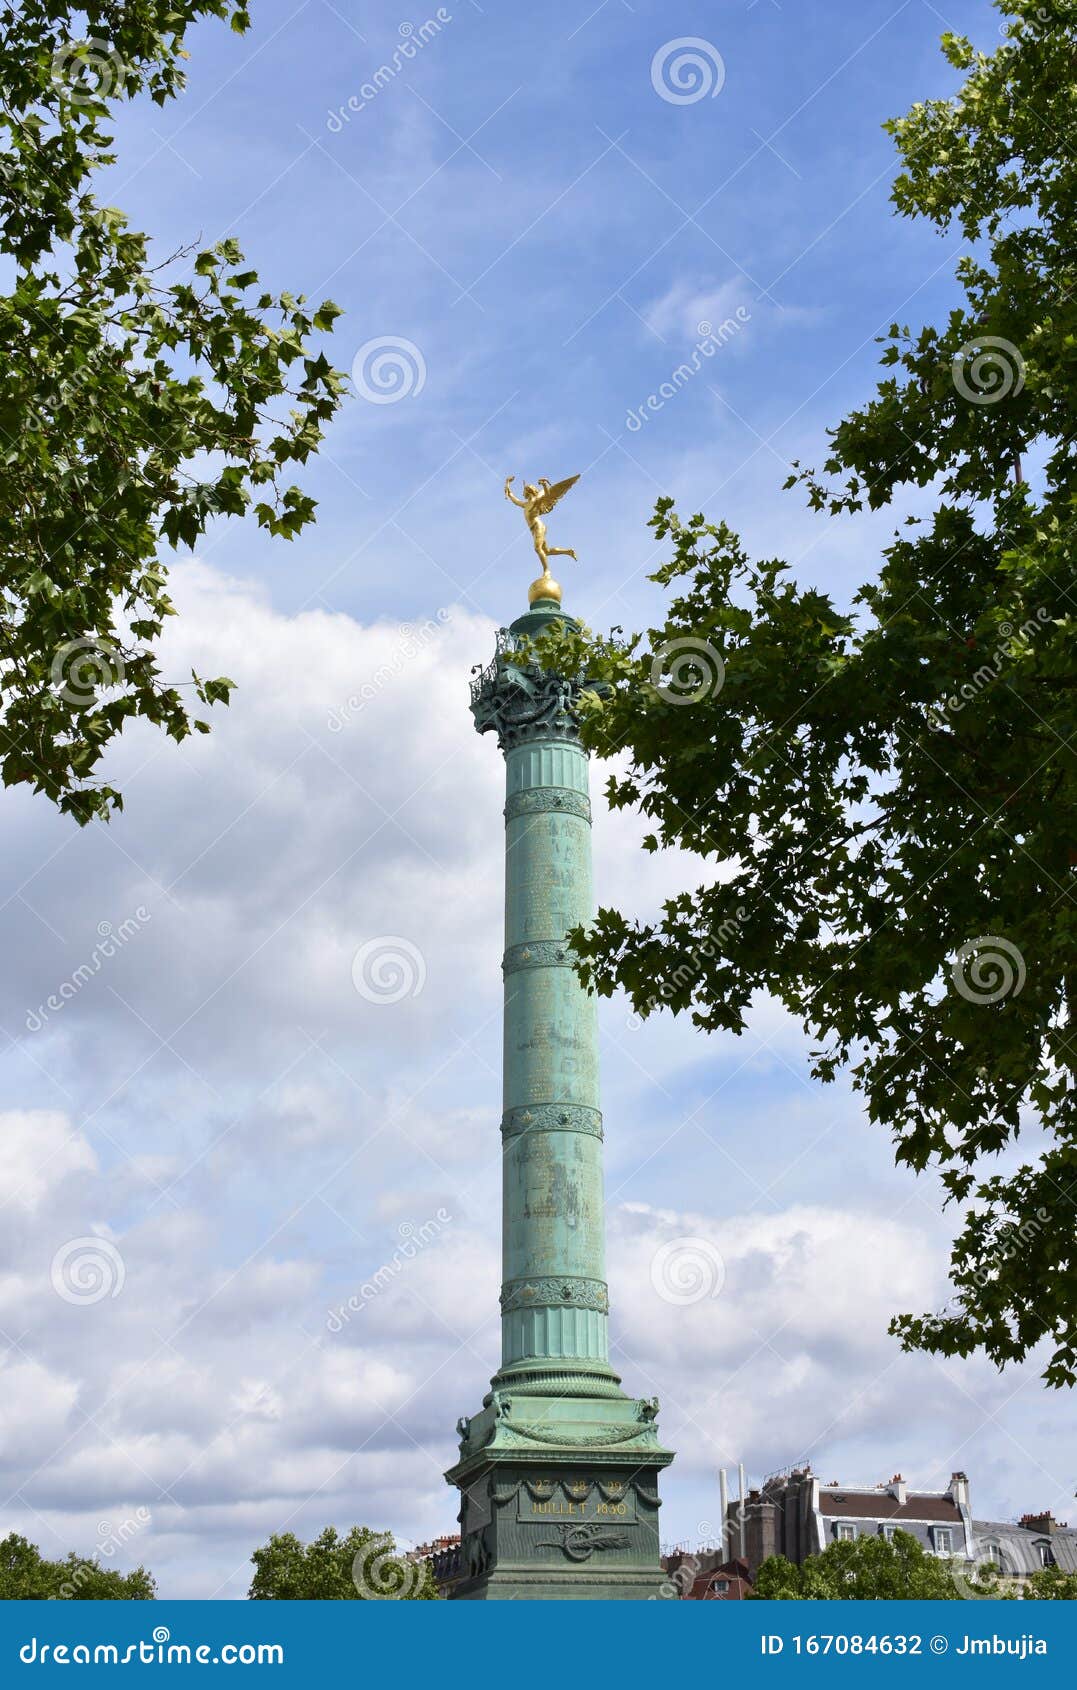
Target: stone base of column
point(559, 1499)
point(526, 1586)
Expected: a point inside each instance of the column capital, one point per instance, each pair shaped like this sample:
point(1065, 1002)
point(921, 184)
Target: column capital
point(521, 702)
point(514, 697)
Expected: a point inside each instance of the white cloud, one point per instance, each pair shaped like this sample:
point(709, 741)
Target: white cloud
point(39, 1151)
point(257, 1140)
point(687, 304)
point(783, 1294)
point(36, 1403)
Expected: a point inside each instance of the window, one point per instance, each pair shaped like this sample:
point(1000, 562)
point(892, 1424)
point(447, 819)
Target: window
point(943, 1540)
point(720, 1585)
point(845, 1534)
point(888, 1533)
point(1046, 1557)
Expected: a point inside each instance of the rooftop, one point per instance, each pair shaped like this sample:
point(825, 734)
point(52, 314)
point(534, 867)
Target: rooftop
point(882, 1505)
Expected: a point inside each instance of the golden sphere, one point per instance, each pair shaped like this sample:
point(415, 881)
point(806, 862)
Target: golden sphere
point(544, 588)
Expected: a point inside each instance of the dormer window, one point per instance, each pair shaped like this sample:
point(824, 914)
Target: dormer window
point(888, 1532)
point(944, 1540)
point(1045, 1554)
point(845, 1534)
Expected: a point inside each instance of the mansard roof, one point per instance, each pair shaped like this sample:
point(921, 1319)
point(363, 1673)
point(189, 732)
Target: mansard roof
point(1019, 1544)
point(881, 1505)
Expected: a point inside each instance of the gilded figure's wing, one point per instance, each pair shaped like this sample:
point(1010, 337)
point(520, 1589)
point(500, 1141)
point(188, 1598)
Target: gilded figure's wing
point(553, 495)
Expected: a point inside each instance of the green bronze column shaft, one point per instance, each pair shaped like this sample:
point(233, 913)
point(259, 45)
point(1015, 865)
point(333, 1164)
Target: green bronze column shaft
point(554, 1299)
point(558, 1471)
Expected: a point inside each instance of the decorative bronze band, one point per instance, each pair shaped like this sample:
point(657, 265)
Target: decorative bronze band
point(541, 1490)
point(556, 800)
point(547, 1432)
point(551, 1118)
point(537, 953)
point(560, 1293)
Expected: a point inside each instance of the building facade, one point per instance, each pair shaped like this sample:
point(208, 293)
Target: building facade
point(442, 1556)
point(794, 1514)
point(702, 1575)
point(728, 1583)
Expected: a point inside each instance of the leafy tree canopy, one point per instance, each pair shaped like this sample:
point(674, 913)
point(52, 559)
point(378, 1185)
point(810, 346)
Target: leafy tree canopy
point(1050, 1584)
point(887, 798)
point(867, 1569)
point(26, 1576)
point(870, 1569)
point(361, 1566)
point(141, 398)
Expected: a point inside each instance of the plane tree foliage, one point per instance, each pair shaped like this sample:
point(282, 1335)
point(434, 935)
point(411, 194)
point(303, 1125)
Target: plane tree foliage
point(360, 1565)
point(144, 394)
point(28, 1576)
point(865, 1569)
point(884, 793)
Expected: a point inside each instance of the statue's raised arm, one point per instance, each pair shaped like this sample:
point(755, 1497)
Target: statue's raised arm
point(509, 494)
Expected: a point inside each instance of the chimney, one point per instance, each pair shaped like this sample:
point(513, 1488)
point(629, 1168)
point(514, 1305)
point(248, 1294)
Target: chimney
point(761, 1524)
point(898, 1490)
point(959, 1489)
point(1044, 1522)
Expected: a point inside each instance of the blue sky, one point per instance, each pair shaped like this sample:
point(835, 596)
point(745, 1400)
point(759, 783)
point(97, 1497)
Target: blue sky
point(540, 224)
point(253, 1138)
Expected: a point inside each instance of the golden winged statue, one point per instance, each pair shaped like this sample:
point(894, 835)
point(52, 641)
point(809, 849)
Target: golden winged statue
point(536, 503)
